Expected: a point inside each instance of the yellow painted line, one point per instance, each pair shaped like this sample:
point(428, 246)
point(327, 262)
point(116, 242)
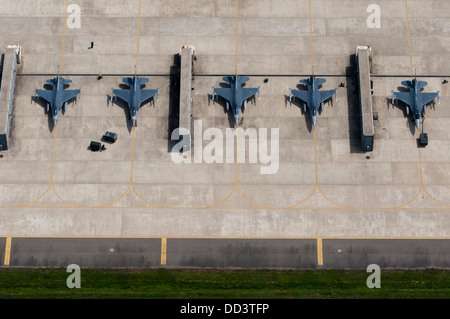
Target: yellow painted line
point(236, 37)
point(409, 38)
point(64, 38)
point(35, 200)
point(139, 27)
point(7, 251)
point(310, 38)
point(163, 250)
point(319, 252)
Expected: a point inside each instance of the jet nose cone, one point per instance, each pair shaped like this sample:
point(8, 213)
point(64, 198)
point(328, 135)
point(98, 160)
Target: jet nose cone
point(55, 121)
point(314, 120)
point(236, 120)
point(133, 122)
point(417, 124)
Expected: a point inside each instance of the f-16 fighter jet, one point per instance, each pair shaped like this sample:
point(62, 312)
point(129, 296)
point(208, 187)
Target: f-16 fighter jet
point(57, 98)
point(235, 95)
point(313, 97)
point(134, 95)
point(414, 99)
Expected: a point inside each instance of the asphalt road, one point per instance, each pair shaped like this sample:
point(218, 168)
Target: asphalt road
point(386, 253)
point(242, 253)
point(96, 253)
point(2, 249)
point(227, 253)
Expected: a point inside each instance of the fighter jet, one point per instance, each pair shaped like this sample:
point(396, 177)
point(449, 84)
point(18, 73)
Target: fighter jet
point(134, 95)
point(235, 95)
point(414, 99)
point(313, 97)
point(57, 98)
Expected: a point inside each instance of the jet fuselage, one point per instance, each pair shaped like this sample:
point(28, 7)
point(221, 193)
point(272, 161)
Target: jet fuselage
point(57, 103)
point(135, 104)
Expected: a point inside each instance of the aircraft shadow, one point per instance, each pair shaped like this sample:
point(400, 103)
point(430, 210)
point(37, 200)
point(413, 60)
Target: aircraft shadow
point(402, 89)
point(302, 87)
point(301, 105)
point(402, 106)
point(173, 121)
point(124, 106)
point(223, 103)
point(43, 104)
point(353, 108)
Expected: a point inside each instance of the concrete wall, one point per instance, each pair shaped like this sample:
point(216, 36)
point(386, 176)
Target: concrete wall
point(7, 94)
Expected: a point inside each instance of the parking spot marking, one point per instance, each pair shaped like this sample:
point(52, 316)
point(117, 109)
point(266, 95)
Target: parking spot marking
point(319, 252)
point(163, 250)
point(7, 251)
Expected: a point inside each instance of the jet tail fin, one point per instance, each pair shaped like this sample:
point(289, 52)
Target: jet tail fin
point(228, 79)
point(421, 84)
point(408, 84)
point(128, 81)
point(320, 81)
point(143, 81)
point(306, 81)
point(243, 79)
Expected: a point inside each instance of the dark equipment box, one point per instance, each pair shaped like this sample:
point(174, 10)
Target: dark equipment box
point(423, 139)
point(95, 146)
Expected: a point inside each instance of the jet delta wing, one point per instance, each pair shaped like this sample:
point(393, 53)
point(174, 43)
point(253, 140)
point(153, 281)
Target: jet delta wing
point(235, 95)
point(415, 100)
point(57, 98)
point(134, 96)
point(313, 98)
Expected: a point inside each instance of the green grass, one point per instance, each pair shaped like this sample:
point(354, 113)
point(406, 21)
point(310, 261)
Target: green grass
point(240, 284)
